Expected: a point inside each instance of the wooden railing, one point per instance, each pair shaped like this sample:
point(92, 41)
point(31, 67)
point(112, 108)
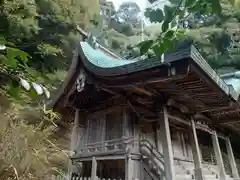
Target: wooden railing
point(76, 176)
point(208, 156)
point(89, 178)
point(106, 146)
point(226, 163)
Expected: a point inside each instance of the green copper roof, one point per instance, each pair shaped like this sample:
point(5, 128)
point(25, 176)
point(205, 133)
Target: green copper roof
point(100, 59)
point(233, 79)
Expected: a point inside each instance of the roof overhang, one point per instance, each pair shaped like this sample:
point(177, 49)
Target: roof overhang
point(183, 76)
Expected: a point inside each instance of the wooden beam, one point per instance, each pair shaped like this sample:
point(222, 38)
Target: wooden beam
point(181, 107)
point(202, 117)
point(198, 126)
point(112, 102)
point(190, 94)
point(111, 91)
point(99, 158)
point(232, 121)
point(159, 80)
point(227, 111)
point(171, 102)
point(142, 90)
point(98, 113)
point(221, 136)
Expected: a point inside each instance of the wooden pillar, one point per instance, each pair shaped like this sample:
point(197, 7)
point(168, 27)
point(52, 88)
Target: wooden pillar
point(94, 169)
point(196, 152)
point(74, 136)
point(136, 137)
point(218, 156)
point(133, 160)
point(73, 143)
point(159, 144)
point(126, 128)
point(133, 168)
point(167, 146)
point(231, 159)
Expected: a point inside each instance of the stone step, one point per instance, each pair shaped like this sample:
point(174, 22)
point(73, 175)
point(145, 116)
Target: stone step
point(182, 171)
point(213, 171)
point(210, 176)
point(209, 173)
point(184, 177)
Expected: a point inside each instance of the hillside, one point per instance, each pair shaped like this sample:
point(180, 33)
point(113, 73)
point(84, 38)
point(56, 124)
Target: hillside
point(36, 48)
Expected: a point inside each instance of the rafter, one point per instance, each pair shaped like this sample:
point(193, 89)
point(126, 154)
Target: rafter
point(232, 121)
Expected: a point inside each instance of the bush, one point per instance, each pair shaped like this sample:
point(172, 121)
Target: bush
point(27, 150)
point(115, 44)
point(127, 29)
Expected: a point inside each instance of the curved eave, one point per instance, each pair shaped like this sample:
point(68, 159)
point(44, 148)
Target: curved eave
point(72, 75)
point(108, 69)
point(102, 65)
point(105, 66)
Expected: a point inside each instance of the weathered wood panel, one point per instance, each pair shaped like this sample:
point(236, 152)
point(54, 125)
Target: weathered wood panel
point(114, 125)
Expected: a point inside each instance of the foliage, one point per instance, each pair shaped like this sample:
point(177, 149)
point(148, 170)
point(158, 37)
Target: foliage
point(217, 41)
point(36, 44)
point(14, 69)
point(171, 14)
point(27, 148)
point(128, 13)
point(36, 37)
point(115, 44)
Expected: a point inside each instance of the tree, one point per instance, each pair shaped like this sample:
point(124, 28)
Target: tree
point(179, 9)
point(128, 13)
point(36, 43)
point(38, 37)
point(218, 39)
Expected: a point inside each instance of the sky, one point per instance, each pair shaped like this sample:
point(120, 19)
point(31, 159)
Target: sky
point(143, 4)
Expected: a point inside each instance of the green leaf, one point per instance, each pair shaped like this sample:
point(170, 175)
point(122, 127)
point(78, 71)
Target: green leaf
point(159, 49)
point(23, 56)
point(10, 44)
point(181, 13)
point(152, 1)
point(195, 8)
point(154, 15)
point(216, 7)
point(145, 46)
point(12, 54)
point(175, 2)
point(33, 93)
point(190, 3)
point(169, 34)
point(2, 39)
point(14, 89)
point(165, 26)
point(11, 58)
point(180, 34)
point(168, 44)
point(169, 13)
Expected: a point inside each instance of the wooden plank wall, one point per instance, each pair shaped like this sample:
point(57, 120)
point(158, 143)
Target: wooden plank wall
point(111, 126)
